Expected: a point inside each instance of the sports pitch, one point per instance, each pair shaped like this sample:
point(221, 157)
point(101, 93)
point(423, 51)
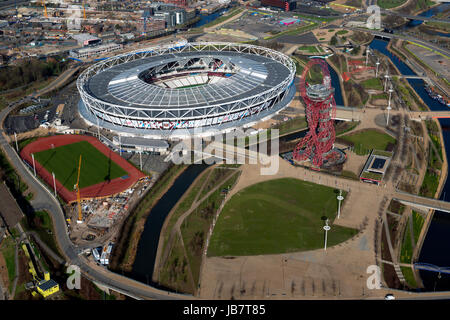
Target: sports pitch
point(63, 161)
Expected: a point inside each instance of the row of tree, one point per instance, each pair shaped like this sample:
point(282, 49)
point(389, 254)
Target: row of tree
point(29, 71)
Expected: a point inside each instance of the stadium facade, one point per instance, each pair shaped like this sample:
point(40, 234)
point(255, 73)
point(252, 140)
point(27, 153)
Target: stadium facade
point(176, 91)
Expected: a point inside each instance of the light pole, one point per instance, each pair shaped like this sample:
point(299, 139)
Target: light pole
point(376, 72)
point(367, 55)
point(34, 167)
point(340, 198)
point(326, 227)
point(389, 105)
point(386, 76)
point(17, 146)
point(140, 159)
point(54, 182)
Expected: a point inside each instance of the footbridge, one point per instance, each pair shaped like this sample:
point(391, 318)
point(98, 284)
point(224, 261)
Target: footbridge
point(431, 267)
point(421, 202)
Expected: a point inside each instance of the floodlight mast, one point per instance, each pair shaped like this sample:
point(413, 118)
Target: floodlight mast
point(80, 215)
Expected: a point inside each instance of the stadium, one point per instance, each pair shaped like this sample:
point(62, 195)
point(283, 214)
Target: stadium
point(173, 92)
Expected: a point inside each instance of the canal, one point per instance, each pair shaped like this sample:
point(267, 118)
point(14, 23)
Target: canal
point(148, 244)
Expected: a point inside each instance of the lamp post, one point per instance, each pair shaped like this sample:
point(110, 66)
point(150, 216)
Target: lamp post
point(340, 198)
point(367, 55)
point(140, 159)
point(17, 146)
point(376, 72)
point(386, 76)
point(34, 167)
point(389, 105)
point(326, 227)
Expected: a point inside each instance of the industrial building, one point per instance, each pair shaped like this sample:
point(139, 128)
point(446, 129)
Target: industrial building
point(86, 39)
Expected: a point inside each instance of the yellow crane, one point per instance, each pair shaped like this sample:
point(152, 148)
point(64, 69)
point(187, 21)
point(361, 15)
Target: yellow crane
point(77, 186)
point(45, 8)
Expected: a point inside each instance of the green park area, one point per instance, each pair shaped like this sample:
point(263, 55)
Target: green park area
point(63, 161)
point(277, 216)
point(7, 249)
point(372, 84)
point(366, 140)
point(389, 4)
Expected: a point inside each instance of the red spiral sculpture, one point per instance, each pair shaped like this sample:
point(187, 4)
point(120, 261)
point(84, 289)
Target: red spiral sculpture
point(317, 145)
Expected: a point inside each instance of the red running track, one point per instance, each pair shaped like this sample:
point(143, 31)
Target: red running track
point(99, 190)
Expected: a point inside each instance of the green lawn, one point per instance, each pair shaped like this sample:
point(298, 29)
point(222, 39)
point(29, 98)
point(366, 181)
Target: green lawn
point(409, 276)
point(366, 140)
point(418, 221)
point(277, 216)
point(407, 249)
point(310, 49)
point(373, 83)
point(388, 4)
point(95, 166)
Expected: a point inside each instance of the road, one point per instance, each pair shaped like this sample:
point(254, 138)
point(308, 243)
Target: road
point(44, 200)
point(430, 45)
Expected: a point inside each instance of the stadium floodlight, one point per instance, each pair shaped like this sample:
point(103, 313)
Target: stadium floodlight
point(34, 165)
point(340, 198)
point(327, 228)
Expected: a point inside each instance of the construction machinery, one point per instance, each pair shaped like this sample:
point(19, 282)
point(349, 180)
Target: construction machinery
point(45, 9)
point(77, 187)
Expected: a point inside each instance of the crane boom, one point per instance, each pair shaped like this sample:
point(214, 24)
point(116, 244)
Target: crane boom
point(80, 215)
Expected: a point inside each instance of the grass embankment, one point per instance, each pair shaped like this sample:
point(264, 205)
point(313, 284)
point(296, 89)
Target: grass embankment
point(125, 249)
point(366, 140)
point(277, 216)
point(63, 161)
point(295, 31)
point(374, 84)
point(7, 249)
point(181, 270)
point(407, 248)
point(435, 157)
point(41, 223)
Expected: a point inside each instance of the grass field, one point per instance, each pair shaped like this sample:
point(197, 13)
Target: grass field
point(389, 4)
point(277, 216)
point(63, 161)
point(7, 248)
point(373, 83)
point(366, 140)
